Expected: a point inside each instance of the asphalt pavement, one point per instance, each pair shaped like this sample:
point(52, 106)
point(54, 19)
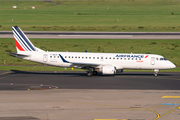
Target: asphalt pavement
point(56, 95)
point(95, 35)
point(79, 80)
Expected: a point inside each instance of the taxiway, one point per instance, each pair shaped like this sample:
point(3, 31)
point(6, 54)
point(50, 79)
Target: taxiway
point(95, 35)
point(72, 95)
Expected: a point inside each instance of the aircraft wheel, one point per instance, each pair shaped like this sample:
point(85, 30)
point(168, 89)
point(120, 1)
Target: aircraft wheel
point(155, 74)
point(89, 74)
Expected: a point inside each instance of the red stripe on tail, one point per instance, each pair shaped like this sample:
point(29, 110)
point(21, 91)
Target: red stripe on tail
point(18, 45)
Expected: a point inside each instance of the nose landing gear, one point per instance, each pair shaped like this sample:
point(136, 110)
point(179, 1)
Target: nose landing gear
point(156, 72)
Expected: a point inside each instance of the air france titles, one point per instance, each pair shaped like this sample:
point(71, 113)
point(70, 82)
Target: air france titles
point(132, 56)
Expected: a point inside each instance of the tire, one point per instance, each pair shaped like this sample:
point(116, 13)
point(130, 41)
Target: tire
point(89, 74)
point(155, 74)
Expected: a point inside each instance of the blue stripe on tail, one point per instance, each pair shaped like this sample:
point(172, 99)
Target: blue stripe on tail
point(25, 39)
point(21, 40)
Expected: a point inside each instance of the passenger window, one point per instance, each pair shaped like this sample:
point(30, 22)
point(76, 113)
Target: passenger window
point(124, 58)
point(69, 57)
point(110, 58)
point(54, 56)
point(113, 58)
point(97, 57)
point(106, 57)
point(78, 57)
point(93, 57)
point(132, 58)
point(136, 58)
point(65, 56)
point(89, 57)
point(50, 56)
point(121, 58)
point(117, 58)
point(82, 57)
point(72, 56)
point(128, 58)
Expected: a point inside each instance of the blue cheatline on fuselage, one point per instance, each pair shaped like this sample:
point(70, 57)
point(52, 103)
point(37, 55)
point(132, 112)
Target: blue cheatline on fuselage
point(63, 59)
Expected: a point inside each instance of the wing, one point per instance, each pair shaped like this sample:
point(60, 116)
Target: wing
point(84, 65)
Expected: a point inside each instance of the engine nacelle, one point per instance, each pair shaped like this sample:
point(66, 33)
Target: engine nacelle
point(108, 70)
point(119, 71)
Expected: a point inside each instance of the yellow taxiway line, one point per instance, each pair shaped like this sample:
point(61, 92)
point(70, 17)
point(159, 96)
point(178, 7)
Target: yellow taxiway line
point(170, 97)
point(167, 113)
point(5, 73)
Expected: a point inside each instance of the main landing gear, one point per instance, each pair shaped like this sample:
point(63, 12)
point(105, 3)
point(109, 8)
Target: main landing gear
point(91, 72)
point(156, 72)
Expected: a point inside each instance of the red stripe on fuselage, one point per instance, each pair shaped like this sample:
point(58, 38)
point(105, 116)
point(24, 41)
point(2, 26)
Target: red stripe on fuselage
point(146, 56)
point(18, 45)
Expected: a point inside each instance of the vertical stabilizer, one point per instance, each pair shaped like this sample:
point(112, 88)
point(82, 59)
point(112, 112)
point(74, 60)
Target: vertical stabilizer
point(22, 42)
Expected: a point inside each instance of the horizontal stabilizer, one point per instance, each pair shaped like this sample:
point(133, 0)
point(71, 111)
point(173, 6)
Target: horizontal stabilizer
point(18, 55)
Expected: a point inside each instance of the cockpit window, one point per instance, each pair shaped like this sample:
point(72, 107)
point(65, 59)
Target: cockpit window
point(163, 59)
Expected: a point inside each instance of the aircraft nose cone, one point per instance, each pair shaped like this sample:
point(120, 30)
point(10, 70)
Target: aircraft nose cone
point(172, 65)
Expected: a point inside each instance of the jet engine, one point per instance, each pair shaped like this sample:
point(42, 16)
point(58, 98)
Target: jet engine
point(108, 70)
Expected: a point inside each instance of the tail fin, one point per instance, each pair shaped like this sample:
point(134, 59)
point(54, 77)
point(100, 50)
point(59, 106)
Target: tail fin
point(22, 42)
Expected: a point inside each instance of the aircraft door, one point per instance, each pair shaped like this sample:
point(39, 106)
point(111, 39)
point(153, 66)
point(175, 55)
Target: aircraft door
point(153, 61)
point(45, 57)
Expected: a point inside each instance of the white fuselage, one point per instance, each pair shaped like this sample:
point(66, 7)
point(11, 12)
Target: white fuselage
point(118, 60)
point(105, 63)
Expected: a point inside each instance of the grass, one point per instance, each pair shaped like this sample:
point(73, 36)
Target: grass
point(168, 48)
point(92, 15)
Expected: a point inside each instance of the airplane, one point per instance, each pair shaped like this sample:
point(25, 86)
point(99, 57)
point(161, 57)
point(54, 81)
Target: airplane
point(95, 63)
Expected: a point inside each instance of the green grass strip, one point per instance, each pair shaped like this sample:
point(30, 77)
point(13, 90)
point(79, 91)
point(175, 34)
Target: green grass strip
point(91, 15)
point(167, 48)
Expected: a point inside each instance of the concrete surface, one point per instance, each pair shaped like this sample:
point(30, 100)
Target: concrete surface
point(95, 35)
point(86, 101)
